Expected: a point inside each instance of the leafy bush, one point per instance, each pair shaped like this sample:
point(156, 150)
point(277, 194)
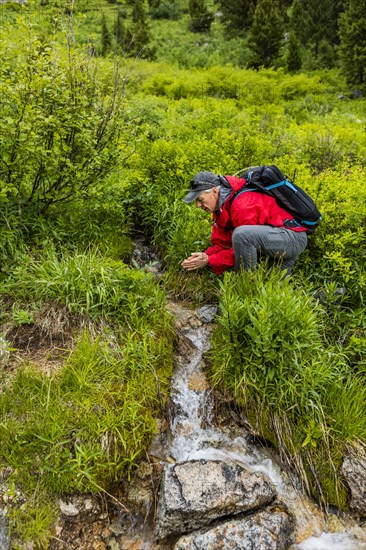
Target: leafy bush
point(63, 125)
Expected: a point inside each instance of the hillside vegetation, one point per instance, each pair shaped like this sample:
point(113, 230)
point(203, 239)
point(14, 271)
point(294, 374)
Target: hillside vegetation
point(97, 145)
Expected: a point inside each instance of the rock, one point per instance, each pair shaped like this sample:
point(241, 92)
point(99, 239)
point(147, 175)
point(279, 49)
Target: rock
point(354, 472)
point(195, 493)
point(356, 94)
point(77, 507)
point(143, 485)
point(267, 530)
point(207, 313)
point(4, 540)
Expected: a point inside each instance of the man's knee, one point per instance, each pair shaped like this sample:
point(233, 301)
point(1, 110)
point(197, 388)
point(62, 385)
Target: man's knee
point(242, 234)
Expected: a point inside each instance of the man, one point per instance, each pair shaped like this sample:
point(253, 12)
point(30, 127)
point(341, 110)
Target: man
point(245, 226)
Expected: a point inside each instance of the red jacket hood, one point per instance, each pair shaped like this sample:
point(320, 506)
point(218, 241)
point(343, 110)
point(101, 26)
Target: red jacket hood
point(235, 183)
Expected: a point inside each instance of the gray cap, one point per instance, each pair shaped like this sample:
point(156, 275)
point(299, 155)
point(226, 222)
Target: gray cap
point(201, 182)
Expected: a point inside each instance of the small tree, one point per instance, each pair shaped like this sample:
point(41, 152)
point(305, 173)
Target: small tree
point(201, 18)
point(138, 35)
point(119, 32)
point(353, 43)
point(105, 37)
point(266, 34)
point(237, 15)
point(63, 124)
point(294, 54)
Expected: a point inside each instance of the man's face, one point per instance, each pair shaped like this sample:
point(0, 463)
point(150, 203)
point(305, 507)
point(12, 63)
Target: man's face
point(208, 200)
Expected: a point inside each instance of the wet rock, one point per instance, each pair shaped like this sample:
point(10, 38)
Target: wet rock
point(267, 530)
point(207, 313)
point(356, 94)
point(195, 493)
point(184, 319)
point(354, 472)
point(143, 486)
point(4, 540)
point(77, 507)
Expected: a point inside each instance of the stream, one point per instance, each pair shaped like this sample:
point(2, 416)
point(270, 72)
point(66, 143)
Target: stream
point(193, 436)
point(208, 484)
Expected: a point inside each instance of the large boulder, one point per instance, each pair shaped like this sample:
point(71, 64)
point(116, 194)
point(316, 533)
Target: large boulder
point(195, 493)
point(354, 472)
point(267, 530)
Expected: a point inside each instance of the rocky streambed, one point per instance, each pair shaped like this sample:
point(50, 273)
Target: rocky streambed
point(224, 491)
point(205, 485)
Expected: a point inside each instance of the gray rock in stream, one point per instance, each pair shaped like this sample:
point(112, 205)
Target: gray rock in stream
point(4, 538)
point(207, 313)
point(193, 494)
point(354, 472)
point(267, 530)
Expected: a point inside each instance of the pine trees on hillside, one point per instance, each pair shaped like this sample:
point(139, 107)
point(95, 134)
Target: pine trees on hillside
point(201, 18)
point(316, 25)
point(353, 43)
point(106, 41)
point(266, 33)
point(293, 60)
point(237, 15)
point(138, 34)
point(119, 31)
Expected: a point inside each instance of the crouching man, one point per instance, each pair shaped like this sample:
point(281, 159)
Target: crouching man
point(246, 225)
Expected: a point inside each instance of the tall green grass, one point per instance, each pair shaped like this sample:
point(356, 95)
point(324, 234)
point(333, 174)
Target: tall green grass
point(88, 284)
point(269, 351)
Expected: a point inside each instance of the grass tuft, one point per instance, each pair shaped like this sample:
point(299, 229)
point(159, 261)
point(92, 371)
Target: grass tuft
point(269, 351)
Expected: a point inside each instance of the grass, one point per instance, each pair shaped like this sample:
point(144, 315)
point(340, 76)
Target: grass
point(86, 426)
point(87, 283)
point(270, 353)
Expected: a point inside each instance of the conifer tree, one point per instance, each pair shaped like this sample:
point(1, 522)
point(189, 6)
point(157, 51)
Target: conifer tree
point(138, 35)
point(353, 43)
point(237, 15)
point(119, 31)
point(201, 18)
point(266, 33)
point(294, 54)
point(316, 21)
point(106, 37)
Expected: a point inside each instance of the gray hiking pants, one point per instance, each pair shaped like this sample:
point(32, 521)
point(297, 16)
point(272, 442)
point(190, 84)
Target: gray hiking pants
point(277, 243)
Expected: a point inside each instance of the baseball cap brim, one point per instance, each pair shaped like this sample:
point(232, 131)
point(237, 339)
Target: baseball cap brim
point(192, 196)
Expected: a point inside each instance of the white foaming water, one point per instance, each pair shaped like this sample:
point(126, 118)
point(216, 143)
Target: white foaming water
point(194, 437)
point(332, 541)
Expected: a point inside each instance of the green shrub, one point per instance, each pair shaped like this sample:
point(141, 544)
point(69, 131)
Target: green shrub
point(63, 125)
point(269, 351)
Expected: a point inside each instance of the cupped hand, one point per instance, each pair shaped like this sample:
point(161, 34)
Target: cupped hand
point(195, 261)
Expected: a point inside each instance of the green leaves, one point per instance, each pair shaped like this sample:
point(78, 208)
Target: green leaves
point(64, 124)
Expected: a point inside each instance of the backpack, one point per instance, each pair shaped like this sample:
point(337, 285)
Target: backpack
point(290, 197)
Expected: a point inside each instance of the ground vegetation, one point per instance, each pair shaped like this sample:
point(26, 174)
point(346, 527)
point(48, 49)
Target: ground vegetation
point(96, 147)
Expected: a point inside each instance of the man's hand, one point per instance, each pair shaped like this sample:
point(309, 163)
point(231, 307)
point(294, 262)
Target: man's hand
point(195, 261)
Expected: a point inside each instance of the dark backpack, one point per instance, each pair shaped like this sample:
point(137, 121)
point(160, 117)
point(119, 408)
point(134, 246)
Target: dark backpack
point(290, 197)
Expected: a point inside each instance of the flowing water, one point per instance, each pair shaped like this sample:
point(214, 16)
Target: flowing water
point(193, 435)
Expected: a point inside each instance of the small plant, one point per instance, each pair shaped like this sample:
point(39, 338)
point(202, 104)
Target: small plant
point(21, 317)
point(5, 350)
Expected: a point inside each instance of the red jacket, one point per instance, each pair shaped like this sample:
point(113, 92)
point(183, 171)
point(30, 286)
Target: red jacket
point(249, 208)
